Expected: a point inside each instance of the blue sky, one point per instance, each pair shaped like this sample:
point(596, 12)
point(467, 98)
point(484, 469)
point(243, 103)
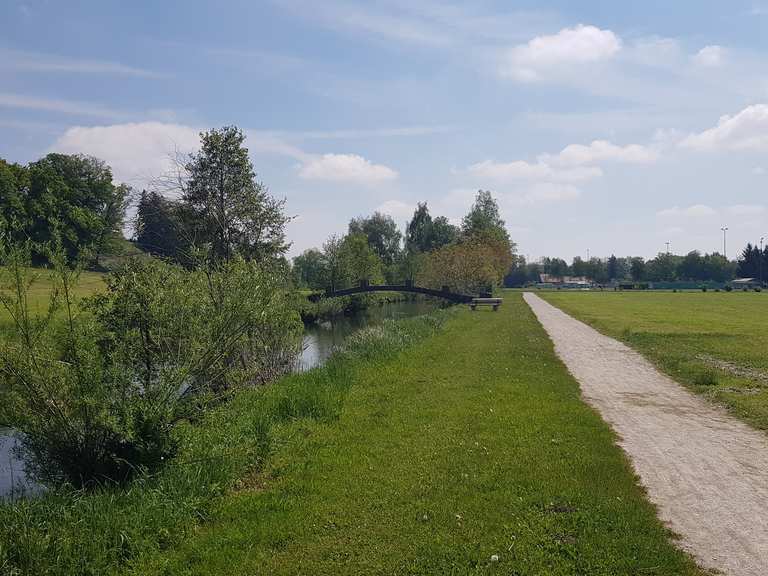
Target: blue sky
point(606, 126)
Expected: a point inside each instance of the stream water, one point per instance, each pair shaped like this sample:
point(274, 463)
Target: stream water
point(320, 340)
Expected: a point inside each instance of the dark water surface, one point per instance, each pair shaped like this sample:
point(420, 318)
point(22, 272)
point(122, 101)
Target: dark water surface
point(319, 342)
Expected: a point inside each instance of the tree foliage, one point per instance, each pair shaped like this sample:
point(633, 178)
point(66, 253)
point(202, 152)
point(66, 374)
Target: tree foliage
point(233, 214)
point(72, 196)
point(381, 233)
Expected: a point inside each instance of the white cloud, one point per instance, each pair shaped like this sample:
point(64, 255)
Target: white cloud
point(530, 62)
point(345, 168)
point(137, 152)
point(35, 62)
point(746, 209)
point(747, 130)
point(710, 56)
point(601, 151)
point(694, 211)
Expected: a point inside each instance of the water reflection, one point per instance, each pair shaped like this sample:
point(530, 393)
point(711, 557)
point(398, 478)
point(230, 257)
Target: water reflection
point(13, 480)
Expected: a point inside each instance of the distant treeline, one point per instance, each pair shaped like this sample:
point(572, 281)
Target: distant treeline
point(473, 257)
point(665, 267)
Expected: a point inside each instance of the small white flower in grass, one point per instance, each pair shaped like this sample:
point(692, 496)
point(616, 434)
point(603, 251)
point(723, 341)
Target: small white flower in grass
point(495, 558)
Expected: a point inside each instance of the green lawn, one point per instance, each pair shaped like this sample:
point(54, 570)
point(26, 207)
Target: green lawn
point(469, 452)
point(39, 294)
point(714, 342)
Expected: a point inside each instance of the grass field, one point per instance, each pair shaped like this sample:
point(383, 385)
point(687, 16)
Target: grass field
point(714, 342)
point(471, 444)
point(39, 294)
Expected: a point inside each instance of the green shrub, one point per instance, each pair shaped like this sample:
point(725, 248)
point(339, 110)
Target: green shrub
point(706, 378)
point(96, 389)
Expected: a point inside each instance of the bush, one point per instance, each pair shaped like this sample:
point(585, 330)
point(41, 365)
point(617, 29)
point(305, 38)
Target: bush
point(758, 289)
point(96, 389)
point(729, 288)
point(705, 378)
point(703, 288)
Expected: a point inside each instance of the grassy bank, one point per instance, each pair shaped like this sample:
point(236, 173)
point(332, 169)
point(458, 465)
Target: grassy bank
point(713, 342)
point(110, 530)
point(470, 452)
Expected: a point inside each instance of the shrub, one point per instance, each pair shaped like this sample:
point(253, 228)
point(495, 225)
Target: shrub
point(96, 388)
point(705, 378)
point(729, 288)
point(758, 289)
point(703, 288)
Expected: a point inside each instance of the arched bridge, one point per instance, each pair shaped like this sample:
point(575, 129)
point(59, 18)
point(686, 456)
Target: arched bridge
point(364, 287)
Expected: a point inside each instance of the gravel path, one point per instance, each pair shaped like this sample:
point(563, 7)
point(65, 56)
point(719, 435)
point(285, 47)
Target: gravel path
point(706, 471)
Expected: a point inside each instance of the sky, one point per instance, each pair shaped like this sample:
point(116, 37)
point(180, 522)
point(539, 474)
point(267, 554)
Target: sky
point(600, 126)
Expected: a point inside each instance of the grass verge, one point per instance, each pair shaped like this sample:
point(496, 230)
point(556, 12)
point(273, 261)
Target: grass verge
point(111, 530)
point(469, 452)
point(713, 342)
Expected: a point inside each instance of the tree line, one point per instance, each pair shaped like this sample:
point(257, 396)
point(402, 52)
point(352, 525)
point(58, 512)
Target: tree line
point(665, 267)
point(433, 252)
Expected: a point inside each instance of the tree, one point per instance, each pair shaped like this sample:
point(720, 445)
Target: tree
point(443, 233)
point(14, 187)
point(663, 268)
point(76, 196)
point(418, 232)
point(484, 217)
point(310, 269)
point(381, 234)
point(613, 268)
point(637, 269)
point(559, 267)
point(749, 262)
point(337, 273)
point(234, 214)
point(359, 260)
point(159, 226)
point(425, 234)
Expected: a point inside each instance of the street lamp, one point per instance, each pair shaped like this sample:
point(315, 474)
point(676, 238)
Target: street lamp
point(725, 251)
point(667, 243)
point(760, 261)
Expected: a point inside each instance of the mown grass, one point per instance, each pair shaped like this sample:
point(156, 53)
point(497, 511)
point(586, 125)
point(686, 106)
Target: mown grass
point(112, 530)
point(469, 452)
point(714, 342)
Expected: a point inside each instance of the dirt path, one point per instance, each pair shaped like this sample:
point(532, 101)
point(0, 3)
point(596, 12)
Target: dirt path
point(706, 471)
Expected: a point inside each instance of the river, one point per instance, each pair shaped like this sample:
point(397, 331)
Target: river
point(319, 342)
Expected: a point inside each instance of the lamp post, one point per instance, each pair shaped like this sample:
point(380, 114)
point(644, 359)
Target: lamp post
point(667, 243)
point(725, 251)
point(760, 261)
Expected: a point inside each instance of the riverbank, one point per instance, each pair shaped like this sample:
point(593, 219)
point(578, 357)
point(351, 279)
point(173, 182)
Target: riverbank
point(111, 529)
point(470, 451)
point(423, 449)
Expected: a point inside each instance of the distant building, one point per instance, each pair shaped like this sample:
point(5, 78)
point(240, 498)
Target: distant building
point(550, 280)
point(748, 283)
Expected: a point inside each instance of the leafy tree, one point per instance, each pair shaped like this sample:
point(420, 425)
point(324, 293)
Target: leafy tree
point(14, 187)
point(484, 218)
point(443, 233)
point(359, 260)
point(418, 232)
point(381, 234)
point(233, 212)
point(663, 268)
point(424, 233)
point(749, 262)
point(613, 268)
point(310, 269)
point(74, 195)
point(337, 272)
point(559, 267)
point(160, 227)
point(637, 269)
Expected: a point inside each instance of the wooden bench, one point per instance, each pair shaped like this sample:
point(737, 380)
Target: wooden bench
point(495, 302)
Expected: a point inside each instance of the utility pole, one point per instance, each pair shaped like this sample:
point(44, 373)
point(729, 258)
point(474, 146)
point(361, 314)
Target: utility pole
point(587, 254)
point(760, 261)
point(725, 250)
point(667, 243)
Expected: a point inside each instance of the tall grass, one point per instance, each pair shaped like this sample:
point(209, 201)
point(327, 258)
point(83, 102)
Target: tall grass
point(105, 530)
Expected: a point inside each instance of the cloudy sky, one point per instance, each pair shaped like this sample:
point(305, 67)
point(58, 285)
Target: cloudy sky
point(607, 126)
